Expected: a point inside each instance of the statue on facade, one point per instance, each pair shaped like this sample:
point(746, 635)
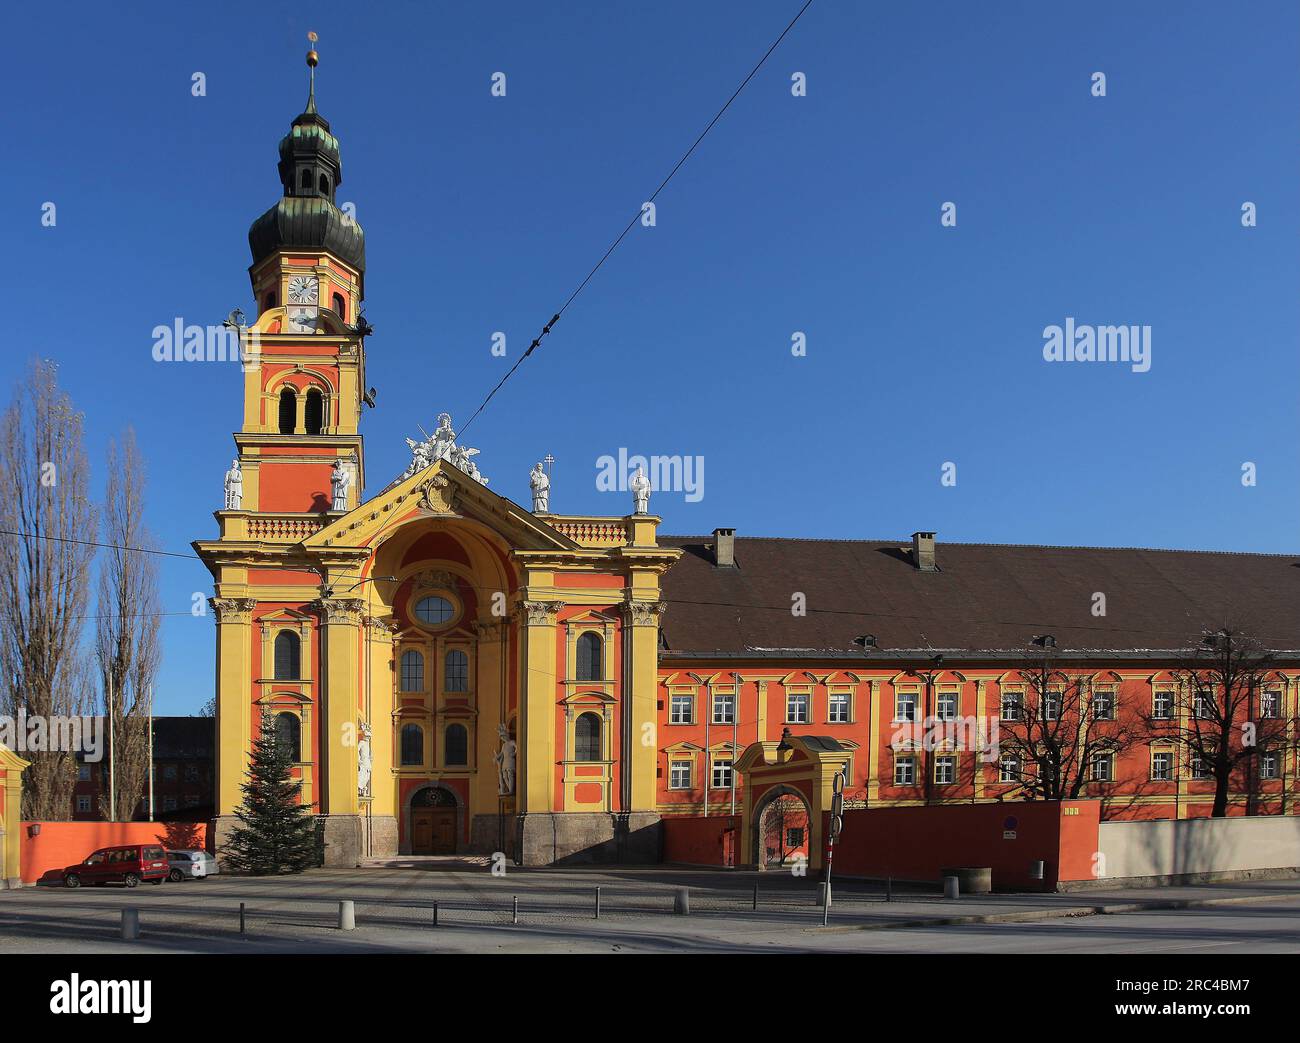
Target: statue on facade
point(441, 445)
point(505, 762)
point(541, 486)
point(340, 480)
point(234, 486)
point(443, 440)
point(364, 763)
point(640, 486)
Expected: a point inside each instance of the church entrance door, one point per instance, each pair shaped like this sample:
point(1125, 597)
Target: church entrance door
point(433, 831)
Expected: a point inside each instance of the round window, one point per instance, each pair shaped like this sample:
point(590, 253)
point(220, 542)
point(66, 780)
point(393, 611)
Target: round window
point(434, 610)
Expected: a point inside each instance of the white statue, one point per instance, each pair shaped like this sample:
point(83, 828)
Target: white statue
point(505, 762)
point(234, 486)
point(444, 438)
point(340, 480)
point(363, 761)
point(441, 445)
point(640, 486)
point(541, 486)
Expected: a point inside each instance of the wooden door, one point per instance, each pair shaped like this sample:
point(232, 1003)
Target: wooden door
point(433, 831)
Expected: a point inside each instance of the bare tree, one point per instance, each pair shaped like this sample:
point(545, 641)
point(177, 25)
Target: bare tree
point(1052, 736)
point(1221, 714)
point(126, 639)
point(46, 515)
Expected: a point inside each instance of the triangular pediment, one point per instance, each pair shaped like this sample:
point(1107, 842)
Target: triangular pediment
point(441, 490)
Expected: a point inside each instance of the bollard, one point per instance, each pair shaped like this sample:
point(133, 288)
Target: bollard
point(514, 916)
point(756, 898)
point(951, 887)
point(889, 889)
point(241, 920)
point(598, 903)
point(824, 895)
point(682, 901)
point(130, 924)
point(347, 916)
point(435, 914)
point(1036, 870)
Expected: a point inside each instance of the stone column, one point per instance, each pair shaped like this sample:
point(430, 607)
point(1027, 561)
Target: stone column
point(381, 807)
point(537, 840)
point(234, 681)
point(340, 677)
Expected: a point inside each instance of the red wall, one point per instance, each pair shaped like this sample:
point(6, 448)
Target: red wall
point(699, 841)
point(60, 844)
point(915, 843)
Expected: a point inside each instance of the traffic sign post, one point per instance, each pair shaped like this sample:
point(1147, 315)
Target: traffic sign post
point(836, 827)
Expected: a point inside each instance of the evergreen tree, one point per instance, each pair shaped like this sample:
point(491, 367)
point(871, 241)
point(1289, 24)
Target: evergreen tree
point(277, 833)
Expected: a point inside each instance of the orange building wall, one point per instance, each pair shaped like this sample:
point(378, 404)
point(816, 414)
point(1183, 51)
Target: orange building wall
point(61, 844)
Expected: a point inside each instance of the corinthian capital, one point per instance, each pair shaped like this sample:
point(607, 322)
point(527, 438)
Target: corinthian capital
point(340, 610)
point(644, 613)
point(232, 610)
point(541, 613)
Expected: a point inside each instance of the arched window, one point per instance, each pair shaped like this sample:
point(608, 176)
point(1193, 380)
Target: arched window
point(412, 745)
point(457, 745)
point(288, 734)
point(456, 677)
point(589, 657)
point(269, 303)
point(304, 179)
point(586, 737)
point(314, 413)
point(288, 411)
point(412, 671)
point(340, 307)
point(324, 185)
point(288, 656)
point(434, 610)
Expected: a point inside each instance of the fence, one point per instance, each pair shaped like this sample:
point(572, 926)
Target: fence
point(1174, 850)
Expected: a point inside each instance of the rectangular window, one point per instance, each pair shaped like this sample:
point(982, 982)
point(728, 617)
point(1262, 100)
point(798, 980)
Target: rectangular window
point(1162, 705)
point(1103, 767)
point(1051, 706)
point(191, 773)
point(1011, 705)
point(679, 775)
point(1269, 765)
point(1203, 706)
point(682, 710)
point(945, 770)
point(1200, 767)
point(722, 773)
point(1103, 704)
point(1270, 704)
point(796, 708)
point(905, 771)
point(724, 708)
point(794, 836)
point(1162, 766)
point(838, 708)
point(83, 772)
point(904, 706)
point(1009, 769)
point(169, 772)
point(83, 804)
point(946, 706)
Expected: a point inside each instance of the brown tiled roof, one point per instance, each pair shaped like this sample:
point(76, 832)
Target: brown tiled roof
point(985, 598)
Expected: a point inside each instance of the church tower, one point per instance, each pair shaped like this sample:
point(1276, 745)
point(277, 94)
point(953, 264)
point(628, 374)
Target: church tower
point(304, 384)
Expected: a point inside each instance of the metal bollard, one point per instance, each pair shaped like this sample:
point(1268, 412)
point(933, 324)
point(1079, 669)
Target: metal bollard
point(347, 916)
point(682, 901)
point(889, 889)
point(514, 916)
point(951, 887)
point(756, 898)
point(598, 903)
point(435, 914)
point(241, 920)
point(1036, 869)
point(130, 924)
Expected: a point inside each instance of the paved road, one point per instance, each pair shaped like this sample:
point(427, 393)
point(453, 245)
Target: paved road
point(395, 910)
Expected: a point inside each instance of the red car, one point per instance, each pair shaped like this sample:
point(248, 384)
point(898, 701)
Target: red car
point(129, 864)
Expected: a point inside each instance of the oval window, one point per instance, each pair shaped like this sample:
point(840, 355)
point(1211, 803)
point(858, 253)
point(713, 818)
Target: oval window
point(434, 610)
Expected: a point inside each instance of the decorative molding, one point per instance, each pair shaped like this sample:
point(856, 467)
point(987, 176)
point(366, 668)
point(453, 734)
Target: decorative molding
point(438, 495)
point(232, 610)
point(434, 578)
point(340, 610)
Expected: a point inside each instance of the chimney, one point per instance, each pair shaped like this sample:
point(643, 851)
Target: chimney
point(923, 552)
point(724, 548)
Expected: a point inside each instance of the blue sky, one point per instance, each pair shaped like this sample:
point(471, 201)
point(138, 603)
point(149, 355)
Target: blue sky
point(818, 214)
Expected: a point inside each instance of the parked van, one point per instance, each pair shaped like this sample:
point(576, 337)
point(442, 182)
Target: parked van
point(128, 864)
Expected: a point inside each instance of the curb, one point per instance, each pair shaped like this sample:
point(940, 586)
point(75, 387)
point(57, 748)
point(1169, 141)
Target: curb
point(1065, 912)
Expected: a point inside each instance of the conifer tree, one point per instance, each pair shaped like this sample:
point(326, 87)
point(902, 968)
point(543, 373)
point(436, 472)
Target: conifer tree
point(277, 833)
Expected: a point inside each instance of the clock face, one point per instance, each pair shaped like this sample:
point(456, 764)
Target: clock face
point(302, 289)
point(303, 320)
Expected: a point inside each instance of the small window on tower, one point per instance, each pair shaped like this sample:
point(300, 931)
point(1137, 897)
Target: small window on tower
point(314, 413)
point(340, 308)
point(288, 411)
point(269, 303)
point(324, 185)
point(304, 180)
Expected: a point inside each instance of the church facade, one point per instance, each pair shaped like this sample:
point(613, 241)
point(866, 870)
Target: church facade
point(459, 673)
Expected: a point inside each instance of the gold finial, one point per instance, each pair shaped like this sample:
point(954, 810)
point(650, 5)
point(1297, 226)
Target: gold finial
point(312, 56)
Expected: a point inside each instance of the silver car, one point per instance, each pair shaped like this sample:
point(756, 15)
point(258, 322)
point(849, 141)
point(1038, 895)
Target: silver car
point(194, 865)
